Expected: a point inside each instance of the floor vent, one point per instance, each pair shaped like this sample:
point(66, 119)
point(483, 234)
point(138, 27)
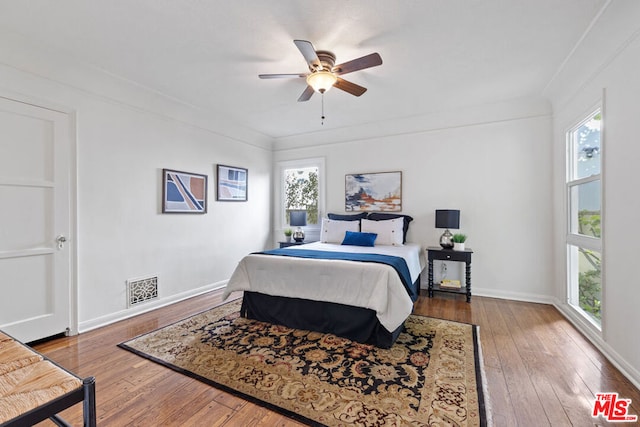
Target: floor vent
point(141, 290)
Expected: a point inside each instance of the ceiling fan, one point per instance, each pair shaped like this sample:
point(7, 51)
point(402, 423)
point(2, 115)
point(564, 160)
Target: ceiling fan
point(324, 73)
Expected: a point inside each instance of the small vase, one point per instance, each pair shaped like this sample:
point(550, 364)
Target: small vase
point(458, 246)
point(288, 239)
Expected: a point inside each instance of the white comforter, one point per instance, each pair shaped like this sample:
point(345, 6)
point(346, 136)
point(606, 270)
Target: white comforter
point(361, 284)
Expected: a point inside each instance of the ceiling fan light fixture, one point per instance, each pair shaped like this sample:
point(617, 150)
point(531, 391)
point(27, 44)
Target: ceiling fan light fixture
point(321, 81)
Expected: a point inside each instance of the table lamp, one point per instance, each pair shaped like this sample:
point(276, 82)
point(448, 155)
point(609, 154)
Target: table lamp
point(447, 218)
point(298, 218)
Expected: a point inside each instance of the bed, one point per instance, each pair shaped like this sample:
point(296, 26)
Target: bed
point(357, 292)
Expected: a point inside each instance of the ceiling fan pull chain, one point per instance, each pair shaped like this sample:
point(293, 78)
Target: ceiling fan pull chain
point(322, 117)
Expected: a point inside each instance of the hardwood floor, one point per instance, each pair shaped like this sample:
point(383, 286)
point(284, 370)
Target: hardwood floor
point(540, 370)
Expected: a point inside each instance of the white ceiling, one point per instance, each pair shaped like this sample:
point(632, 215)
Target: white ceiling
point(438, 54)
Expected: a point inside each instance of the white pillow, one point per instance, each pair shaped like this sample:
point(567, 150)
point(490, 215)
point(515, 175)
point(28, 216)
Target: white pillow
point(333, 231)
point(389, 231)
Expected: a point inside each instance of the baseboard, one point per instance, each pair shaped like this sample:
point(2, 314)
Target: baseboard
point(515, 296)
point(162, 302)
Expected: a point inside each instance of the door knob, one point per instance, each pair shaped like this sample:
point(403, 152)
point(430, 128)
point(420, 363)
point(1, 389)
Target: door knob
point(61, 239)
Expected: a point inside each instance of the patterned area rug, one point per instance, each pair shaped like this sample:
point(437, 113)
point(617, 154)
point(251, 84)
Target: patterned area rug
point(431, 375)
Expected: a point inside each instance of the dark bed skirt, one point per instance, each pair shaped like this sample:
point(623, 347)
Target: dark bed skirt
point(355, 323)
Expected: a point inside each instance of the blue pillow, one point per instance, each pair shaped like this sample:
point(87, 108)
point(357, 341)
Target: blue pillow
point(355, 238)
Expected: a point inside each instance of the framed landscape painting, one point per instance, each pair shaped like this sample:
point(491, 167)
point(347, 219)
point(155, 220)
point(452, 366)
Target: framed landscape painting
point(232, 184)
point(183, 192)
point(373, 192)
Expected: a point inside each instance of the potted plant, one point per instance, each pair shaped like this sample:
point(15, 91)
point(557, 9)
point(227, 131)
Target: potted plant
point(458, 241)
point(287, 234)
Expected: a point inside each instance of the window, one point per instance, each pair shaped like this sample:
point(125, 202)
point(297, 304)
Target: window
point(301, 189)
point(584, 234)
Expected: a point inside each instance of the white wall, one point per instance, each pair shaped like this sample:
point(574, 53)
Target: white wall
point(125, 136)
point(607, 63)
point(123, 233)
point(495, 170)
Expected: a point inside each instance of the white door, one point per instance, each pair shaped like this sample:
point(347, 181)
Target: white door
point(34, 221)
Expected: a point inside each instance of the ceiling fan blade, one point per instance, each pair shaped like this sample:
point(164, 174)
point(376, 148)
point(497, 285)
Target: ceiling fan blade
point(368, 61)
point(281, 76)
point(306, 95)
point(309, 53)
point(349, 87)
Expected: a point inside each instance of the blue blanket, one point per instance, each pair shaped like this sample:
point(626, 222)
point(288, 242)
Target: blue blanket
point(398, 263)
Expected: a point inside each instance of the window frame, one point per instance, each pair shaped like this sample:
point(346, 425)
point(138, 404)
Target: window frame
point(574, 241)
point(280, 210)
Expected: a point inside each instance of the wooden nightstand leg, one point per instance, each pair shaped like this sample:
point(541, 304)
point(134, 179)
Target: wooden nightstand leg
point(468, 280)
point(430, 278)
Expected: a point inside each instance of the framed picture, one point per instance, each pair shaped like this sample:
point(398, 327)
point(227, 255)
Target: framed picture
point(232, 184)
point(373, 192)
point(183, 192)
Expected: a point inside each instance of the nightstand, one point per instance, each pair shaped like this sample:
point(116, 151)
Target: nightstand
point(437, 253)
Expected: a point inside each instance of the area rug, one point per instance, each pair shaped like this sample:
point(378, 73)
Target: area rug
point(431, 376)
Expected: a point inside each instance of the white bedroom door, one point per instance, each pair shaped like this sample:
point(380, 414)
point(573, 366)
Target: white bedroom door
point(34, 221)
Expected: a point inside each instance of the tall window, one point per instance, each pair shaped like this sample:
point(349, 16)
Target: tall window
point(584, 237)
point(301, 188)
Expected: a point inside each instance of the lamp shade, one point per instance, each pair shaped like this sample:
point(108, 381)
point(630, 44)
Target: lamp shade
point(447, 218)
point(321, 81)
point(298, 218)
